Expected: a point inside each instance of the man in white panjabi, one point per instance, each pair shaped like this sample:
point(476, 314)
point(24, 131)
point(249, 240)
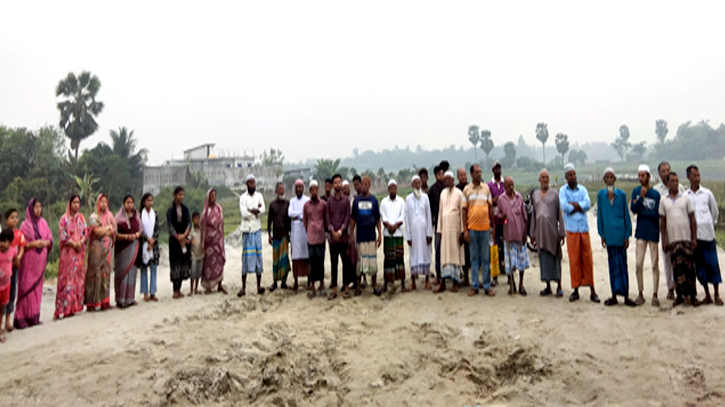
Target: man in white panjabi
point(299, 251)
point(418, 233)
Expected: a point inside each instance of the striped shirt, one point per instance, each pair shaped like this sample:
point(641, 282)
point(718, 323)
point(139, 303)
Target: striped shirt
point(478, 201)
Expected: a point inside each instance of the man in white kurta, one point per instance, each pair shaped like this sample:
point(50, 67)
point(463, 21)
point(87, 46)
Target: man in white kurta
point(392, 214)
point(418, 233)
point(298, 235)
point(450, 228)
point(251, 206)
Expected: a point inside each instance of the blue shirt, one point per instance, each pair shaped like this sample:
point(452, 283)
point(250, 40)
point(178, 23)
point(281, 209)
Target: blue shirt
point(575, 222)
point(613, 222)
point(366, 213)
point(648, 216)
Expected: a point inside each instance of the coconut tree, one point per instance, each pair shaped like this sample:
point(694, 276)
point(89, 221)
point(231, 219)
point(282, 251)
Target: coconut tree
point(486, 142)
point(562, 145)
point(661, 130)
point(78, 106)
point(542, 134)
point(474, 138)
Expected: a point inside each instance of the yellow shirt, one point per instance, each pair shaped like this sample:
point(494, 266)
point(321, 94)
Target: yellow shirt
point(478, 201)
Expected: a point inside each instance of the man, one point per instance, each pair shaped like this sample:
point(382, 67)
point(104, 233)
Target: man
point(278, 231)
point(423, 175)
point(345, 188)
point(353, 255)
point(663, 188)
point(512, 211)
point(251, 206)
point(434, 197)
point(497, 189)
point(418, 232)
point(547, 234)
point(477, 220)
point(364, 220)
point(450, 229)
point(645, 204)
point(338, 223)
point(615, 227)
point(575, 204)
point(679, 239)
point(392, 214)
point(298, 235)
point(466, 261)
point(328, 189)
point(314, 219)
point(706, 215)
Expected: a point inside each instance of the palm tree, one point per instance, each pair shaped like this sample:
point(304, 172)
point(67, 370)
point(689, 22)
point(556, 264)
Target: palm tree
point(562, 145)
point(474, 138)
point(85, 188)
point(79, 107)
point(661, 130)
point(326, 168)
point(542, 134)
point(486, 142)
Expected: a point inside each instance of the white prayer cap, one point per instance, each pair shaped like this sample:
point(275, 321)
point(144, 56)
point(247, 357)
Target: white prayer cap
point(568, 167)
point(392, 182)
point(449, 174)
point(313, 183)
point(345, 183)
point(415, 177)
point(249, 176)
point(299, 182)
point(608, 170)
point(645, 168)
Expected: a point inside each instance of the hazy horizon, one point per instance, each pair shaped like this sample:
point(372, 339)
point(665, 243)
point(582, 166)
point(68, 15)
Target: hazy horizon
point(297, 76)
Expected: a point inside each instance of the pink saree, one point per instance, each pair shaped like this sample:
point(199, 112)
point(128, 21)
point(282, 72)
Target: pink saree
point(212, 223)
point(98, 273)
point(32, 270)
point(71, 265)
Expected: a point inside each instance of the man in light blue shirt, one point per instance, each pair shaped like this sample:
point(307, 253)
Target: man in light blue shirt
point(575, 204)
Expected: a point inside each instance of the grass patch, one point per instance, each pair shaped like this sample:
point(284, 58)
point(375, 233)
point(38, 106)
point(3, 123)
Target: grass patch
point(720, 238)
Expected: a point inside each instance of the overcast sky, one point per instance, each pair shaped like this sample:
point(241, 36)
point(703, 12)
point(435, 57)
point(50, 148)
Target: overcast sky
point(318, 79)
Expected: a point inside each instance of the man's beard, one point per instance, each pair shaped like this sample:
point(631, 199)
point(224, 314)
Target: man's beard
point(251, 190)
point(418, 193)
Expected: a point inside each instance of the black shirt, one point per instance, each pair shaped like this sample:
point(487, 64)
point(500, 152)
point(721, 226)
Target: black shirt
point(434, 196)
point(278, 219)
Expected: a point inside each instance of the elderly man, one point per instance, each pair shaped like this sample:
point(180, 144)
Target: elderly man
point(298, 235)
point(575, 204)
point(512, 211)
point(615, 228)
point(663, 188)
point(392, 214)
point(497, 189)
point(477, 221)
point(251, 206)
point(418, 232)
point(314, 219)
point(645, 204)
point(338, 223)
point(679, 239)
point(706, 214)
point(466, 252)
point(547, 234)
point(450, 229)
point(278, 232)
point(364, 221)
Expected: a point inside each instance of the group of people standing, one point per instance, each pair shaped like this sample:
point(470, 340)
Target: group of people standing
point(91, 251)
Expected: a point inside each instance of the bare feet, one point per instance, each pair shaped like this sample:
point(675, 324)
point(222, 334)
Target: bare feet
point(146, 298)
point(455, 288)
point(428, 286)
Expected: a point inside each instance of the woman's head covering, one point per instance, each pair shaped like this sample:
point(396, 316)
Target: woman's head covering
point(122, 216)
point(67, 208)
point(207, 209)
point(30, 215)
point(105, 217)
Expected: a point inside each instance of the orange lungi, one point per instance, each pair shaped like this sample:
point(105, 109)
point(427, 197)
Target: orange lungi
point(581, 263)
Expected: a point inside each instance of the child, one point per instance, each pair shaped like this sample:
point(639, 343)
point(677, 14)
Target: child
point(197, 253)
point(18, 242)
point(8, 255)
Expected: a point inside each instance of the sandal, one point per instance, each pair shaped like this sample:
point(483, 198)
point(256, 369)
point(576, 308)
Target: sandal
point(490, 293)
point(655, 302)
point(707, 301)
point(574, 297)
point(377, 292)
point(522, 291)
point(153, 298)
point(545, 292)
point(311, 295)
point(559, 293)
point(358, 291)
point(610, 302)
point(472, 292)
point(331, 297)
point(346, 295)
point(629, 303)
point(241, 293)
point(719, 302)
point(260, 291)
point(594, 298)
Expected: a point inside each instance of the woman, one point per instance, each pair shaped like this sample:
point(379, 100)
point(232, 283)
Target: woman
point(148, 258)
point(212, 237)
point(101, 235)
point(179, 224)
point(128, 226)
point(71, 265)
point(32, 268)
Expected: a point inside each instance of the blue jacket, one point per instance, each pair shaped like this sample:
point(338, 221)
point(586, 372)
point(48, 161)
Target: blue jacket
point(575, 222)
point(613, 221)
point(648, 215)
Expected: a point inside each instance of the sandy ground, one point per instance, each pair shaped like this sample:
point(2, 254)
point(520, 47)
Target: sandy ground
point(416, 349)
